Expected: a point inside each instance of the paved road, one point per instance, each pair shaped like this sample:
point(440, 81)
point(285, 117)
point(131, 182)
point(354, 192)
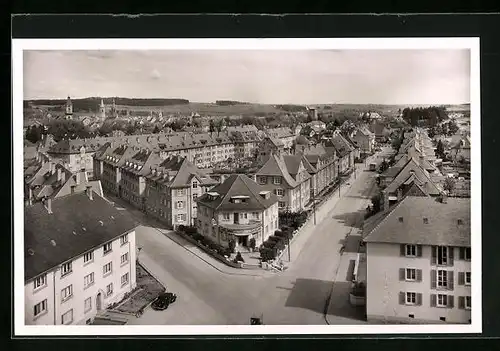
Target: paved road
point(207, 294)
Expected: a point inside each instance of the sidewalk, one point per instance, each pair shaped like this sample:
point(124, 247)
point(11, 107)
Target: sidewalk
point(322, 211)
point(193, 249)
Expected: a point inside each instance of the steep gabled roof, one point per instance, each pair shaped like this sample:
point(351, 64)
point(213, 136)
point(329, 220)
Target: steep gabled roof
point(422, 175)
point(275, 166)
point(238, 185)
point(447, 224)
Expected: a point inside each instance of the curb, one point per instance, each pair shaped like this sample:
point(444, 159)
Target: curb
point(181, 245)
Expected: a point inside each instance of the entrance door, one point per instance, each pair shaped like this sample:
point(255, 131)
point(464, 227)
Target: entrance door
point(236, 218)
point(242, 240)
point(98, 301)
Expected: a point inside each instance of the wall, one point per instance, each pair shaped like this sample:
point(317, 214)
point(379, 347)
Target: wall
point(384, 285)
point(55, 283)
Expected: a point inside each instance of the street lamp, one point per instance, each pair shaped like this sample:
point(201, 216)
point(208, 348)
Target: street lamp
point(314, 205)
point(338, 175)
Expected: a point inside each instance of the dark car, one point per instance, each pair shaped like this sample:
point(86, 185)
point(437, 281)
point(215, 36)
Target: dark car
point(163, 301)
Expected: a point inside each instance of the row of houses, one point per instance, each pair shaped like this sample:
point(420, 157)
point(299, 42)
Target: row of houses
point(416, 257)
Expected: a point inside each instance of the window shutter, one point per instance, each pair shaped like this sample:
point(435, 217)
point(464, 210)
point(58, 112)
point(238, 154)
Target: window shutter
point(419, 275)
point(461, 278)
point(450, 301)
point(433, 279)
point(419, 299)
point(461, 302)
point(433, 254)
point(402, 249)
point(451, 255)
point(402, 298)
point(402, 275)
point(451, 280)
point(419, 250)
point(433, 300)
point(462, 253)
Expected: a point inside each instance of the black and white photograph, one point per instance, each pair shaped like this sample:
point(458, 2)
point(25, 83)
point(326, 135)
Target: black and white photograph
point(243, 186)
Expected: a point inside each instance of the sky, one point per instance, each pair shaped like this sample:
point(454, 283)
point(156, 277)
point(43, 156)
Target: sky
point(258, 76)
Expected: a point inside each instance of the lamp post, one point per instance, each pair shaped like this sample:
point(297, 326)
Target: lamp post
point(288, 244)
point(314, 205)
point(338, 174)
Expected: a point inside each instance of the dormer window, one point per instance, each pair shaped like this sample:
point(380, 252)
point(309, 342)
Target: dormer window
point(426, 220)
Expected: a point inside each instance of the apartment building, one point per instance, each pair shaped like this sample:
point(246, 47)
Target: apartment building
point(344, 151)
point(418, 262)
point(323, 170)
point(287, 177)
point(283, 134)
point(172, 188)
point(58, 181)
point(364, 139)
point(76, 262)
point(269, 146)
point(239, 210)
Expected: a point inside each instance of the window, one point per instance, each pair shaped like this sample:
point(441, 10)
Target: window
point(88, 257)
point(281, 204)
point(124, 239)
point(467, 278)
point(40, 281)
point(88, 280)
point(107, 248)
point(88, 304)
point(66, 293)
point(180, 204)
point(255, 215)
point(411, 250)
point(262, 180)
point(67, 318)
point(181, 217)
point(40, 308)
point(442, 300)
point(109, 289)
point(442, 255)
point(124, 279)
point(107, 268)
point(245, 215)
point(442, 278)
point(124, 258)
point(180, 192)
point(411, 274)
point(195, 185)
point(279, 192)
point(277, 180)
point(195, 196)
point(66, 269)
point(468, 302)
point(226, 216)
point(411, 298)
point(467, 254)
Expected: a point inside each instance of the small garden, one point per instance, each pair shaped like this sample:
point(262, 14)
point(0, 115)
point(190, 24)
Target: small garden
point(212, 247)
point(276, 243)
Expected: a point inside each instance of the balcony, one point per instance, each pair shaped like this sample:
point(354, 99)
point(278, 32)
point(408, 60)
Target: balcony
point(241, 229)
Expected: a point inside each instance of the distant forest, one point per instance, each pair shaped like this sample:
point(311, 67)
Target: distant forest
point(428, 116)
point(230, 103)
point(92, 103)
point(292, 108)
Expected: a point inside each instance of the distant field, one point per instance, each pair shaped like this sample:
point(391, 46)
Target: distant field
point(205, 108)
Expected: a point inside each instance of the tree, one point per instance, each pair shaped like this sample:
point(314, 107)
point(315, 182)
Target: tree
point(452, 128)
point(156, 130)
point(431, 132)
point(376, 202)
point(34, 134)
point(449, 184)
point(211, 126)
point(440, 149)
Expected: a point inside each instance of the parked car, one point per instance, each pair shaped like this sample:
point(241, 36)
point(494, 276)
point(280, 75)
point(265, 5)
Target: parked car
point(163, 301)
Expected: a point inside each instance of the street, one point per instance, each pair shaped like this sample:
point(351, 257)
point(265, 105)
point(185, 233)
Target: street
point(211, 293)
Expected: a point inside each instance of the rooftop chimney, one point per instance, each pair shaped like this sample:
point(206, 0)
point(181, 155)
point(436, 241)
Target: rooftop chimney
point(89, 192)
point(52, 168)
point(77, 178)
point(58, 174)
point(73, 189)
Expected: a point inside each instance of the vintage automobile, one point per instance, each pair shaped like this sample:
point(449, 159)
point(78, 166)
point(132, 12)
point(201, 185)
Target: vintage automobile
point(163, 301)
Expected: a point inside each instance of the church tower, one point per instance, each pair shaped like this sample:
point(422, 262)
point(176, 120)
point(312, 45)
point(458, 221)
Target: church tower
point(69, 109)
point(102, 110)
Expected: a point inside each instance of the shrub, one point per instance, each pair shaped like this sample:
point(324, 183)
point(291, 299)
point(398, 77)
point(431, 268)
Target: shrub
point(198, 237)
point(267, 254)
point(274, 238)
point(269, 244)
point(252, 243)
point(181, 228)
point(190, 230)
point(238, 258)
point(279, 234)
point(231, 245)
